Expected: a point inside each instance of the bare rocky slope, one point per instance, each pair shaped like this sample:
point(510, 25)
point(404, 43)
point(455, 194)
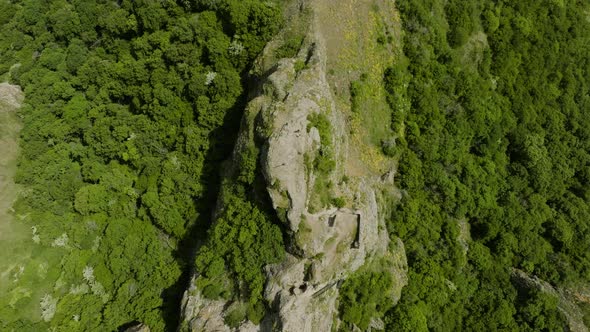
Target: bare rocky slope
point(327, 243)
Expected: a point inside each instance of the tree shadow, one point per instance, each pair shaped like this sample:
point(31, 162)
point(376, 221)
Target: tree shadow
point(222, 141)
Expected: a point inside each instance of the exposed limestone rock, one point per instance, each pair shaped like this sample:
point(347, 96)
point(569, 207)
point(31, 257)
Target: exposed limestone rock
point(284, 157)
point(327, 244)
point(464, 237)
point(297, 305)
point(250, 327)
point(377, 324)
point(11, 96)
point(201, 314)
point(138, 328)
point(330, 252)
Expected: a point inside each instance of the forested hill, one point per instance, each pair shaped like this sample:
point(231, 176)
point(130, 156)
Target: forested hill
point(130, 107)
point(493, 108)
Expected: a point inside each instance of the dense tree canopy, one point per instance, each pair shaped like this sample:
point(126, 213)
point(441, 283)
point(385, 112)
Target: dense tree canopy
point(495, 149)
point(131, 106)
point(125, 104)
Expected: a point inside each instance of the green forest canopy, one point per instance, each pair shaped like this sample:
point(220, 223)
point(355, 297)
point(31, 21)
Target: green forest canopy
point(125, 108)
point(497, 136)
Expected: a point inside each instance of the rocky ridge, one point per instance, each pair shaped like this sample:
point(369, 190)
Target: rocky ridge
point(326, 244)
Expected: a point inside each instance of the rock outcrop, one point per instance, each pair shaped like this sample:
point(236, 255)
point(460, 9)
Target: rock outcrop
point(201, 314)
point(11, 97)
point(138, 328)
point(325, 244)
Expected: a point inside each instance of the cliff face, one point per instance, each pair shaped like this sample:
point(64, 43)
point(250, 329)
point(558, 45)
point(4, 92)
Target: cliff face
point(332, 217)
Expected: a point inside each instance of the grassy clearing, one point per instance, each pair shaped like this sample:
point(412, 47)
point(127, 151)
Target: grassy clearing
point(371, 109)
point(21, 270)
point(322, 193)
point(26, 273)
point(9, 130)
point(360, 48)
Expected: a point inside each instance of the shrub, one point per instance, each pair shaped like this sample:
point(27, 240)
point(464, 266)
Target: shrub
point(339, 202)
